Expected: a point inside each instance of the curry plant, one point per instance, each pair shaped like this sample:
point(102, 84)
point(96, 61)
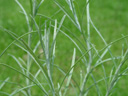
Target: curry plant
point(90, 56)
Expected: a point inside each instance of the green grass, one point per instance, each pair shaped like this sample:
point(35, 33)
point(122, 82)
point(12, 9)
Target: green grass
point(110, 17)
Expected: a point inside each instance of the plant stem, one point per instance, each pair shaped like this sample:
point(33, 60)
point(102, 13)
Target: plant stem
point(30, 28)
point(89, 53)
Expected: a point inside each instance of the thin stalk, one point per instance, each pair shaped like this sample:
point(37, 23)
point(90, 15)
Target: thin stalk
point(29, 57)
point(103, 41)
point(54, 46)
point(29, 44)
point(115, 77)
point(72, 68)
point(46, 42)
point(88, 42)
point(37, 83)
point(100, 60)
point(3, 83)
point(89, 53)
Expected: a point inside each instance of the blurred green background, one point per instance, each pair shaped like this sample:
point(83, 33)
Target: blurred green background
point(109, 16)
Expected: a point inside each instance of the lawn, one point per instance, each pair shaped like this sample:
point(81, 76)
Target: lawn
point(109, 16)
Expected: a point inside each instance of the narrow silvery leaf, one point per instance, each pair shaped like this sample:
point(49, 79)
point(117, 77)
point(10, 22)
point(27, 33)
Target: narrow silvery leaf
point(27, 19)
point(54, 37)
point(60, 94)
point(18, 62)
point(37, 45)
point(68, 15)
point(2, 85)
point(71, 72)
